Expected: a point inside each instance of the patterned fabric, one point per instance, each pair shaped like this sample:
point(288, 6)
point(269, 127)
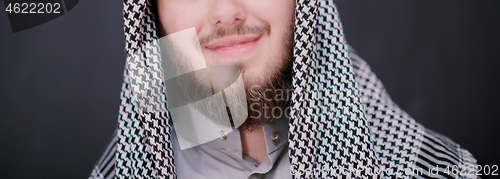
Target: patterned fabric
point(302, 128)
point(326, 102)
point(105, 168)
point(343, 123)
point(144, 147)
point(400, 142)
point(438, 150)
point(395, 134)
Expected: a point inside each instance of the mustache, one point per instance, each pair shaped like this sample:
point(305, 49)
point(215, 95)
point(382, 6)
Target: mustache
point(235, 30)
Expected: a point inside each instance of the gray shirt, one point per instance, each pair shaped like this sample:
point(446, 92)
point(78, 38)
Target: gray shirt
point(223, 158)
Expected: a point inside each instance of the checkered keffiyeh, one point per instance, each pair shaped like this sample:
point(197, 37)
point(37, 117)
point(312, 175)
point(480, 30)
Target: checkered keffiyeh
point(341, 115)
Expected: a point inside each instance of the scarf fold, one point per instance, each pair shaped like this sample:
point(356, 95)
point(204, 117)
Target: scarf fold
point(328, 128)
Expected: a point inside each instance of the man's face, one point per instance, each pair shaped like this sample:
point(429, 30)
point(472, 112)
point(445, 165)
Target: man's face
point(253, 35)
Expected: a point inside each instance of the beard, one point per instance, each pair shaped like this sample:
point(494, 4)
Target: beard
point(266, 92)
point(269, 102)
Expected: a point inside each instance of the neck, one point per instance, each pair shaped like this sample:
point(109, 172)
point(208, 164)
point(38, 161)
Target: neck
point(253, 144)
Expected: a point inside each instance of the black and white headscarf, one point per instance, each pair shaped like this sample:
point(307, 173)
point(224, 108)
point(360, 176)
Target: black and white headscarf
point(341, 115)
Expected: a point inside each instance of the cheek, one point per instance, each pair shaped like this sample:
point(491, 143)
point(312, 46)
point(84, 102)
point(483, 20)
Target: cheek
point(172, 24)
point(274, 10)
point(177, 19)
point(281, 19)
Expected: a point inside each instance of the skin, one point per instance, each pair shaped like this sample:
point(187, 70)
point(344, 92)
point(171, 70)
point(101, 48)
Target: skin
point(258, 54)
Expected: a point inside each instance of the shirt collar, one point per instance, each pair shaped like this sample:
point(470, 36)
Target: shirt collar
point(232, 142)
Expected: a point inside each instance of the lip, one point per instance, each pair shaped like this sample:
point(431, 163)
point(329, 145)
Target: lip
point(233, 46)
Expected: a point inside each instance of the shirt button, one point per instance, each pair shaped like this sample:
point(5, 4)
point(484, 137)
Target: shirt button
point(223, 135)
point(275, 137)
point(260, 175)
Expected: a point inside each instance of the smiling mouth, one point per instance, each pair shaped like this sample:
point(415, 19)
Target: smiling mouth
point(234, 46)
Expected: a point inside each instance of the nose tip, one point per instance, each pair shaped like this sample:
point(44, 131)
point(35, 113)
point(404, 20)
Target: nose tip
point(227, 12)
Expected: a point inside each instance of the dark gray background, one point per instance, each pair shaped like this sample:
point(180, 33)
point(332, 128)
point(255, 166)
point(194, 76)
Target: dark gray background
point(60, 81)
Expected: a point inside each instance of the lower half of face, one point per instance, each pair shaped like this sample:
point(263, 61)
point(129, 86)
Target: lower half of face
point(256, 36)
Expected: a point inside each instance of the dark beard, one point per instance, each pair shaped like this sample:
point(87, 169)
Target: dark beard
point(262, 100)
